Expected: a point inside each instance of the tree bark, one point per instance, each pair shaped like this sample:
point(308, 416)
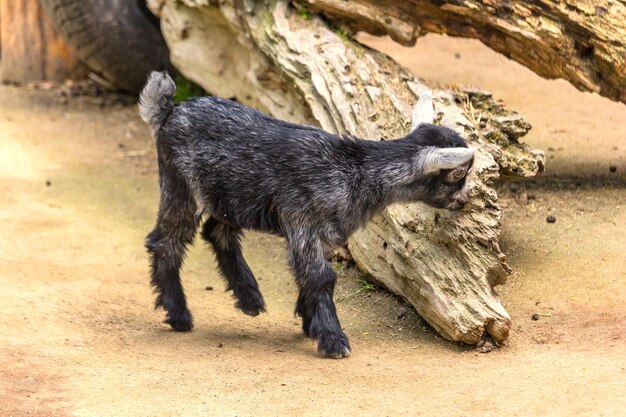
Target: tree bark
point(292, 65)
point(581, 41)
point(32, 50)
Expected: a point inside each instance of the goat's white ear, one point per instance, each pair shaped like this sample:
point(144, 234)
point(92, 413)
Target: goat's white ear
point(423, 110)
point(436, 159)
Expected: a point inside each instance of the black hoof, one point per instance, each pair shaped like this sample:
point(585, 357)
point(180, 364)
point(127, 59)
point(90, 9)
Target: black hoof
point(182, 322)
point(334, 346)
point(251, 305)
point(252, 312)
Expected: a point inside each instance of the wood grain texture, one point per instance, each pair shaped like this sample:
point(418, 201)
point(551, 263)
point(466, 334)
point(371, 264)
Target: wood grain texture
point(581, 41)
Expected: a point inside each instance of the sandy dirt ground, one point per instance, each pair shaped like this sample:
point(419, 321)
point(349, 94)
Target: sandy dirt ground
point(78, 335)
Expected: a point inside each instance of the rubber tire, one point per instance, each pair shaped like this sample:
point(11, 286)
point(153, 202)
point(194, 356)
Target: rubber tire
point(118, 39)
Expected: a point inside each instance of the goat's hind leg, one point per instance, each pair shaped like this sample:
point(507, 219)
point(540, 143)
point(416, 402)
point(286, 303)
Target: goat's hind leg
point(225, 240)
point(303, 311)
point(167, 243)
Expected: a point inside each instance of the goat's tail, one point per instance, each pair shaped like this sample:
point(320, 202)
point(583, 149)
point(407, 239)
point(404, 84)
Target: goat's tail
point(155, 100)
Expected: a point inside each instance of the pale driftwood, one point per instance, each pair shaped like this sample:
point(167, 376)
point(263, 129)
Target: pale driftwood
point(32, 49)
point(581, 41)
point(295, 67)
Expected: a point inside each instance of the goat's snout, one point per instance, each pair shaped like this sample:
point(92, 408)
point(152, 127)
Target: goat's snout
point(464, 196)
point(460, 199)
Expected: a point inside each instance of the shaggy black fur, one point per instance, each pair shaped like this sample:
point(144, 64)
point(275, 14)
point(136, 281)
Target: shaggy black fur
point(241, 169)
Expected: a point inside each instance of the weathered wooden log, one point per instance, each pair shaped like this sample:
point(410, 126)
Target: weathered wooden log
point(581, 41)
point(32, 49)
point(292, 65)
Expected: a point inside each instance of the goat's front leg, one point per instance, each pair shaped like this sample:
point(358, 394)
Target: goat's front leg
point(316, 282)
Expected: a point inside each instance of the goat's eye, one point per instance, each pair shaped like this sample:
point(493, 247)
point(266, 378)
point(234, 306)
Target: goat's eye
point(458, 174)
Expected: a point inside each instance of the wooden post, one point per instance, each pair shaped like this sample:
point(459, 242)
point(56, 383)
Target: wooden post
point(32, 49)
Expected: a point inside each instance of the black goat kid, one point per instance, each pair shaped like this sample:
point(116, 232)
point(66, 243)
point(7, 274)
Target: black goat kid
point(236, 168)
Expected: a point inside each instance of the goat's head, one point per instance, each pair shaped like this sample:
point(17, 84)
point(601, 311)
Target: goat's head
point(444, 159)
